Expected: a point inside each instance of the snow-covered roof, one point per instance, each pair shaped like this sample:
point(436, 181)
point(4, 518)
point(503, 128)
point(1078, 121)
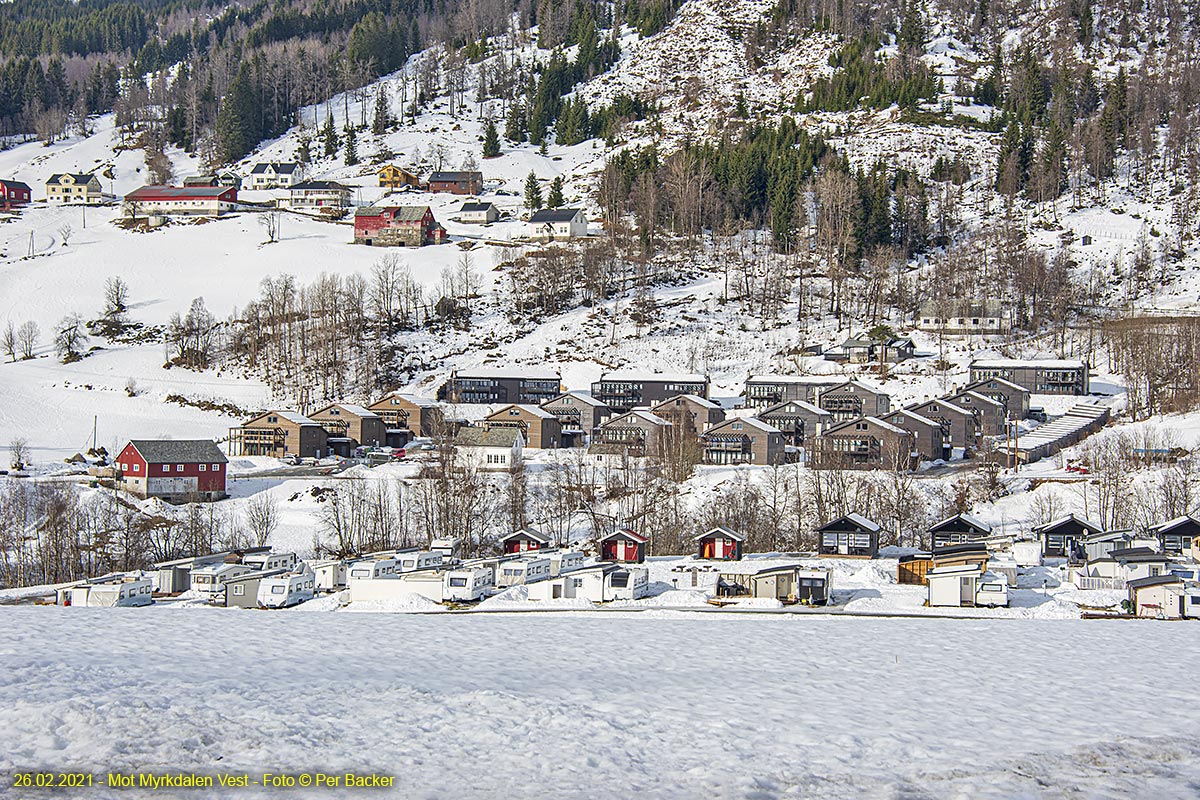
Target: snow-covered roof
point(579, 394)
point(352, 408)
point(857, 519)
point(750, 422)
point(1054, 523)
point(855, 382)
point(1163, 527)
point(983, 398)
point(721, 530)
point(971, 521)
point(626, 533)
point(1016, 363)
point(887, 426)
point(518, 373)
point(536, 411)
point(915, 417)
point(636, 376)
point(528, 533)
point(645, 416)
point(291, 416)
point(828, 379)
point(942, 403)
point(809, 407)
point(1001, 381)
point(416, 400)
point(700, 401)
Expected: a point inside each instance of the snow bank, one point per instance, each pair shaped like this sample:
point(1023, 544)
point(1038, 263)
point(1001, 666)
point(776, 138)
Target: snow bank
point(404, 604)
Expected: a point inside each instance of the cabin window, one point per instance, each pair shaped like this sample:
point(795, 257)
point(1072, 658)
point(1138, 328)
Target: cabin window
point(179, 467)
point(137, 467)
point(1154, 572)
point(216, 467)
point(203, 467)
point(239, 590)
point(458, 582)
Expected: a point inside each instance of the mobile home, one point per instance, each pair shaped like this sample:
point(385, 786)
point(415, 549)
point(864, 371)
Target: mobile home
point(108, 592)
point(425, 559)
point(329, 575)
point(370, 568)
point(208, 582)
point(242, 591)
point(600, 583)
point(470, 583)
point(522, 571)
point(282, 591)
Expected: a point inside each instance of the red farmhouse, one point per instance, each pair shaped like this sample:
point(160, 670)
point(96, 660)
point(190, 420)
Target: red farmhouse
point(13, 194)
point(624, 545)
point(525, 540)
point(720, 544)
point(397, 226)
point(176, 471)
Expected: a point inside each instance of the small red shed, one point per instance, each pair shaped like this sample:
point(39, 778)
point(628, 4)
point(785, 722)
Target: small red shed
point(182, 470)
point(720, 544)
point(14, 194)
point(624, 545)
point(525, 540)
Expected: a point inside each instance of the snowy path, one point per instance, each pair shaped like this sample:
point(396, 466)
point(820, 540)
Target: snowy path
point(596, 706)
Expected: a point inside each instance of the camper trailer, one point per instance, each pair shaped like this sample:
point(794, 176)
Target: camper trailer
point(600, 583)
point(370, 568)
point(113, 592)
point(329, 575)
point(209, 582)
point(564, 561)
point(522, 571)
point(286, 590)
point(411, 562)
point(469, 584)
point(270, 561)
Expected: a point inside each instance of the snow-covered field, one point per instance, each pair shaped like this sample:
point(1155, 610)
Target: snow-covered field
point(652, 705)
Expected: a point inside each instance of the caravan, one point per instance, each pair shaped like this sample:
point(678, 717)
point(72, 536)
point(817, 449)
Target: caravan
point(270, 561)
point(522, 571)
point(371, 568)
point(564, 561)
point(209, 582)
point(469, 584)
point(411, 562)
point(329, 575)
point(282, 591)
point(114, 592)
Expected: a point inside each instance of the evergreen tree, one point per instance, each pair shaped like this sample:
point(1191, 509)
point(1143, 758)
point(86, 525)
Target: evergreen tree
point(491, 141)
point(329, 136)
point(236, 131)
point(304, 149)
point(740, 111)
point(351, 146)
point(555, 198)
point(514, 125)
point(383, 115)
point(533, 192)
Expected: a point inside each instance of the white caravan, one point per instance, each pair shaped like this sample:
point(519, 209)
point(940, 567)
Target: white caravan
point(266, 562)
point(209, 582)
point(411, 562)
point(522, 571)
point(282, 591)
point(330, 574)
point(370, 568)
point(469, 584)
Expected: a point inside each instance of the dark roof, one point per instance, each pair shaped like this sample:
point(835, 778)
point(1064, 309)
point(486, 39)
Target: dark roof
point(1169, 525)
point(959, 521)
point(329, 185)
point(287, 167)
point(555, 215)
point(410, 213)
point(1153, 580)
point(78, 177)
point(528, 533)
point(181, 451)
point(15, 185)
point(1134, 555)
point(964, 549)
point(1069, 518)
point(476, 207)
point(455, 177)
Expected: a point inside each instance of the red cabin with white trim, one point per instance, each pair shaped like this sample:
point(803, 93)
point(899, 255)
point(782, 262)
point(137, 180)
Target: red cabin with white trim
point(14, 194)
point(524, 541)
point(174, 470)
point(625, 546)
point(720, 544)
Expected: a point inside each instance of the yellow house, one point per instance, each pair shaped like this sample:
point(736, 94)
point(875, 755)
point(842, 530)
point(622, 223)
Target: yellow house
point(395, 177)
point(74, 187)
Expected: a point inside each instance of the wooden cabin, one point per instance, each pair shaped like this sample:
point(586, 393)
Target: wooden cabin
point(1176, 536)
point(853, 536)
point(525, 540)
point(958, 529)
point(720, 544)
point(624, 546)
point(1063, 537)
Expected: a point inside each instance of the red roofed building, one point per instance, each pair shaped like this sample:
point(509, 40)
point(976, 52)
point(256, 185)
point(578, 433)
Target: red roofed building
point(173, 470)
point(13, 194)
point(624, 545)
point(397, 226)
point(210, 201)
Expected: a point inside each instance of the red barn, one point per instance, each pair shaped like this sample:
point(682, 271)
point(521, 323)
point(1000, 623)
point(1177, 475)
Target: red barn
point(176, 471)
point(720, 544)
point(624, 545)
point(525, 540)
point(397, 226)
point(13, 194)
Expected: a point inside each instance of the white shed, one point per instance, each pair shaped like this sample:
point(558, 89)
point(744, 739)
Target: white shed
point(330, 574)
point(599, 584)
point(966, 586)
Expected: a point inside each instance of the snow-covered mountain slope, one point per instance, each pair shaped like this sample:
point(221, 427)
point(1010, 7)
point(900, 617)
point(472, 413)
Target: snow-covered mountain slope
point(695, 69)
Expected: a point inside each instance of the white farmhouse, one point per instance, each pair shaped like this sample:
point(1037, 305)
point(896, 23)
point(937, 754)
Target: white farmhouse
point(558, 224)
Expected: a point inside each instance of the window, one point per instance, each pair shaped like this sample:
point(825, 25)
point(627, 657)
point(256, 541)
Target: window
point(458, 582)
point(203, 467)
point(179, 467)
point(620, 580)
point(137, 467)
point(216, 467)
point(239, 590)
point(1154, 572)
